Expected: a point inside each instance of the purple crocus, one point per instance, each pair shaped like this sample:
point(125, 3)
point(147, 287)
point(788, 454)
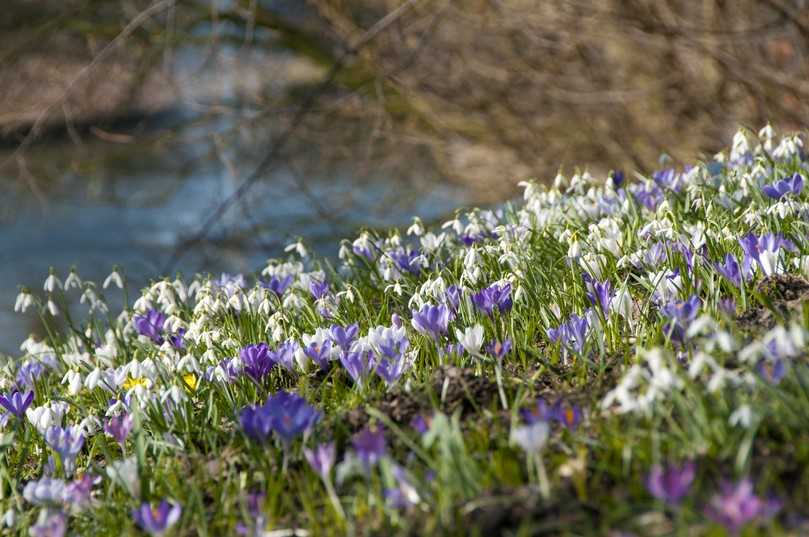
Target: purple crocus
point(67, 442)
point(370, 446)
point(17, 403)
point(79, 492)
point(321, 459)
point(772, 371)
point(119, 428)
point(285, 355)
point(157, 520)
point(277, 285)
point(537, 412)
point(290, 415)
point(568, 414)
point(680, 313)
point(390, 370)
point(431, 320)
point(319, 354)
point(256, 423)
point(178, 340)
point(736, 505)
point(577, 332)
point(779, 189)
point(344, 337)
point(319, 289)
point(359, 365)
point(670, 484)
point(407, 260)
point(452, 297)
point(498, 349)
point(421, 424)
point(495, 295)
point(764, 250)
point(730, 270)
point(256, 360)
point(598, 293)
point(151, 325)
point(286, 414)
point(648, 195)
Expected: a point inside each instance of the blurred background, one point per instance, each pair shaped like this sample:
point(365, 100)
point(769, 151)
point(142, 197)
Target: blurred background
point(127, 127)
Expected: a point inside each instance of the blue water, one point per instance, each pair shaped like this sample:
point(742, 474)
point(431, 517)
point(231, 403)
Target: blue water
point(137, 207)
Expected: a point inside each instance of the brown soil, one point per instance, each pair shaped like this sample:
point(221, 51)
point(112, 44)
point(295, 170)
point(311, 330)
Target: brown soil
point(786, 294)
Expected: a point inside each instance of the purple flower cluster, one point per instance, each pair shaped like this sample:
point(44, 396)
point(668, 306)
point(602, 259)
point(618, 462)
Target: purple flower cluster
point(432, 320)
point(157, 520)
point(598, 293)
point(567, 414)
point(152, 324)
point(286, 414)
point(277, 285)
point(680, 313)
point(784, 187)
point(671, 484)
point(572, 334)
point(17, 403)
point(496, 295)
point(736, 505)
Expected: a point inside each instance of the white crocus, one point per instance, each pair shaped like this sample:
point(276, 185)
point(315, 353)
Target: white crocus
point(471, 339)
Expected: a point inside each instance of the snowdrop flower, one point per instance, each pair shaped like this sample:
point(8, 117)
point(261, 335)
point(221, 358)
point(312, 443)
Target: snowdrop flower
point(113, 278)
point(742, 417)
point(24, 301)
point(125, 473)
point(52, 282)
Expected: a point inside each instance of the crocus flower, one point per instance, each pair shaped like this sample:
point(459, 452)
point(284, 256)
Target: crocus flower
point(764, 250)
point(730, 270)
point(370, 446)
point(17, 403)
point(577, 332)
point(319, 353)
point(670, 484)
point(321, 459)
point(453, 297)
point(498, 349)
point(431, 320)
point(285, 355)
point(407, 260)
point(51, 523)
point(390, 370)
point(498, 295)
point(290, 415)
point(67, 442)
point(772, 371)
point(471, 339)
point(420, 424)
point(151, 325)
point(680, 313)
point(119, 427)
point(568, 414)
point(404, 494)
point(599, 293)
point(256, 360)
point(78, 493)
point(736, 505)
point(779, 189)
point(277, 285)
point(649, 195)
point(532, 437)
point(157, 520)
point(319, 289)
point(359, 365)
point(537, 412)
point(344, 337)
point(256, 422)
